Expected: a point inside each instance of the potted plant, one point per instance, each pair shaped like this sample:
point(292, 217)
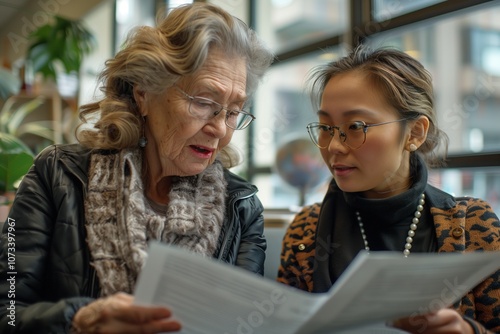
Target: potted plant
point(61, 43)
point(56, 51)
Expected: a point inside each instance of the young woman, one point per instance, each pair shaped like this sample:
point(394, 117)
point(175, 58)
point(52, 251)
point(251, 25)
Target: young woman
point(377, 132)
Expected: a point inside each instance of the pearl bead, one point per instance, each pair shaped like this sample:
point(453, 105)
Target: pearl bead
point(411, 232)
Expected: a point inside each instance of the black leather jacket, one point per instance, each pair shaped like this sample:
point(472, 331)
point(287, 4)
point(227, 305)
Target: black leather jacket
point(53, 277)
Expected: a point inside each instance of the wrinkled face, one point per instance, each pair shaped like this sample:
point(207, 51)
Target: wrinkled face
point(381, 164)
point(179, 143)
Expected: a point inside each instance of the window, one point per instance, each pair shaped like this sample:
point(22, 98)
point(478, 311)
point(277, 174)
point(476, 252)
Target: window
point(130, 14)
point(481, 182)
point(283, 110)
point(458, 42)
point(287, 24)
point(466, 74)
point(387, 9)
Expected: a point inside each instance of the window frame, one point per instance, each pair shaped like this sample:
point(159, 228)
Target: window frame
point(360, 12)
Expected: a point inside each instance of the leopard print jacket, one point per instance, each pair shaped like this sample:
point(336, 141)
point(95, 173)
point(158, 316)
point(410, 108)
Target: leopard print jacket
point(469, 226)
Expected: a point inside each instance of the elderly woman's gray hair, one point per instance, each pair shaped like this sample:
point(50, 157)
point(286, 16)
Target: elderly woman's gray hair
point(154, 58)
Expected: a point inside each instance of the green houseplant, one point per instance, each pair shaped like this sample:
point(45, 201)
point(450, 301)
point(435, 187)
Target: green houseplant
point(62, 42)
point(58, 46)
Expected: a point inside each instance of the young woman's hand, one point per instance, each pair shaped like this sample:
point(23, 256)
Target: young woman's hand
point(118, 314)
point(443, 321)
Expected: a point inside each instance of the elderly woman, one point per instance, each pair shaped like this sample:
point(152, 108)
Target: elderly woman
point(153, 167)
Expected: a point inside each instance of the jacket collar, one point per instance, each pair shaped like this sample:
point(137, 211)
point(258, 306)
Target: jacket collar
point(438, 198)
point(75, 158)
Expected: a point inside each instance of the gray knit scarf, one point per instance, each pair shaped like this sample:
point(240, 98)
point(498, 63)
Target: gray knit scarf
point(120, 222)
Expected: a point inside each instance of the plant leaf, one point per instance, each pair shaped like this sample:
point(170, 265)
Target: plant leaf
point(37, 129)
point(63, 40)
point(9, 84)
point(17, 116)
point(15, 160)
point(5, 114)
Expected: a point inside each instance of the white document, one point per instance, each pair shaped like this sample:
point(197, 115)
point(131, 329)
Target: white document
point(212, 297)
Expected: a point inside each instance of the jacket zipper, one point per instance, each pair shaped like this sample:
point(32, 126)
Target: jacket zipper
point(226, 238)
point(91, 289)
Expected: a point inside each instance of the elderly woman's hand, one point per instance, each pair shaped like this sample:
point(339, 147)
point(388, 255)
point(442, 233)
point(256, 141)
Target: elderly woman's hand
point(117, 314)
point(443, 321)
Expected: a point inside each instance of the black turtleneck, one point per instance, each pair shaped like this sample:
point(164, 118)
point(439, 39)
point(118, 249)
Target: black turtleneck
point(386, 222)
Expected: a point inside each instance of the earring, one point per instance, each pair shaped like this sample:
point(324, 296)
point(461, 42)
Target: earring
point(143, 141)
point(413, 147)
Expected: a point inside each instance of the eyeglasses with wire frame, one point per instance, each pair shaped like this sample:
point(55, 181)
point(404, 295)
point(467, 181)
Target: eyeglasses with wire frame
point(351, 134)
point(206, 109)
